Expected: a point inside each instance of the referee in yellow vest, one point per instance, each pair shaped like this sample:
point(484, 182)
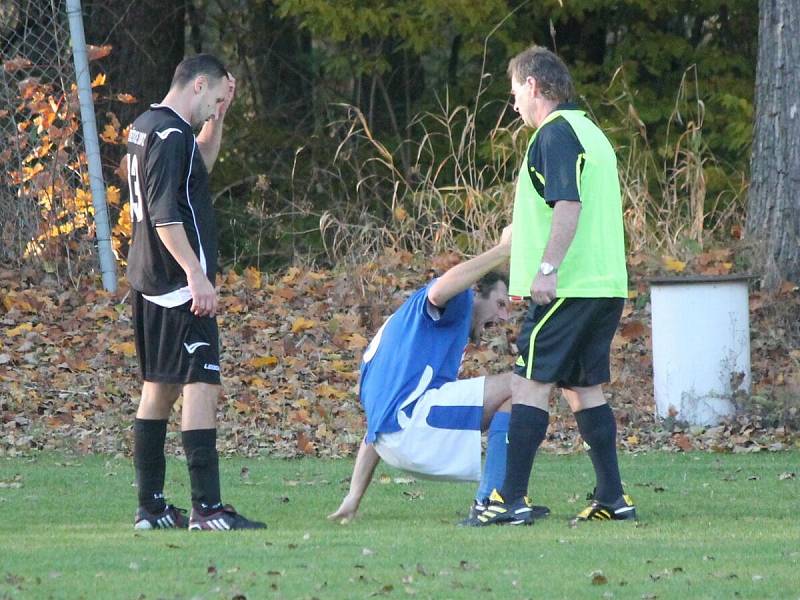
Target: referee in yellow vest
point(568, 257)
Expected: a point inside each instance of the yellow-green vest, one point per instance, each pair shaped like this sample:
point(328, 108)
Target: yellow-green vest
point(594, 266)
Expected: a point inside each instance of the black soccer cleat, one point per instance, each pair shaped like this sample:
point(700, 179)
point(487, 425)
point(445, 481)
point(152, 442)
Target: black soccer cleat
point(169, 518)
point(477, 508)
point(500, 512)
point(621, 510)
point(224, 519)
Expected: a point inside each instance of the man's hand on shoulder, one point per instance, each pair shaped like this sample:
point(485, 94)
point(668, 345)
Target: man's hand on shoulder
point(463, 275)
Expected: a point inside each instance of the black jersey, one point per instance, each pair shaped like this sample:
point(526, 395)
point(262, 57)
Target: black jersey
point(168, 184)
point(555, 160)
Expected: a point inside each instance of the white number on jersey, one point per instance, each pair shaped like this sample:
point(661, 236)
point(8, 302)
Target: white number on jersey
point(376, 341)
point(134, 188)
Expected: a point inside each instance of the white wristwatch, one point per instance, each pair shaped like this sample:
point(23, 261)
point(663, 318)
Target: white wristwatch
point(546, 268)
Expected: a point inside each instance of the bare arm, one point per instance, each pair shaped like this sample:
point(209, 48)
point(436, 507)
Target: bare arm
point(210, 137)
point(562, 232)
point(462, 276)
point(366, 461)
point(204, 296)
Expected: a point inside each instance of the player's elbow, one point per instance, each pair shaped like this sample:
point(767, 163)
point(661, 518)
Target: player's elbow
point(437, 297)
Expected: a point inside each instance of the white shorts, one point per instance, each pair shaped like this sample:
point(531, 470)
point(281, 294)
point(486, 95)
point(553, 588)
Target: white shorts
point(442, 437)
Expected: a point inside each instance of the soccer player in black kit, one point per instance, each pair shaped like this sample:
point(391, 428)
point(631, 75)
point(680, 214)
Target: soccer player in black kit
point(172, 265)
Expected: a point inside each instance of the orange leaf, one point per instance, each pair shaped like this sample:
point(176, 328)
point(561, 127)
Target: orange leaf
point(235, 304)
point(12, 301)
point(112, 195)
point(683, 442)
point(109, 134)
point(291, 275)
point(328, 391)
point(300, 416)
point(252, 277)
point(99, 80)
point(242, 407)
point(339, 365)
point(301, 324)
point(97, 52)
point(305, 445)
point(125, 348)
point(19, 329)
point(673, 264)
point(262, 361)
point(632, 330)
point(126, 98)
point(357, 342)
point(286, 293)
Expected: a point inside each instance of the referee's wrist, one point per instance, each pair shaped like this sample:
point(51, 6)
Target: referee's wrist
point(547, 268)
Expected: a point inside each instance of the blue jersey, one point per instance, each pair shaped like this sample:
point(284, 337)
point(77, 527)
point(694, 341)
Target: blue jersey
point(418, 348)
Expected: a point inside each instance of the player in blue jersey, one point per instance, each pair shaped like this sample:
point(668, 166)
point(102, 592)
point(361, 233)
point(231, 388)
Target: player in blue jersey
point(420, 416)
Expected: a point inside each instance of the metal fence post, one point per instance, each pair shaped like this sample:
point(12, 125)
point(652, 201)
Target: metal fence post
point(108, 265)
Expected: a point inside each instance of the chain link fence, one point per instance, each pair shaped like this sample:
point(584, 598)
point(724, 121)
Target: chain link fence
point(45, 208)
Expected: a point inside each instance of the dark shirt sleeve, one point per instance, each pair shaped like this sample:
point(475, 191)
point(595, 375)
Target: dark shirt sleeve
point(557, 156)
point(166, 173)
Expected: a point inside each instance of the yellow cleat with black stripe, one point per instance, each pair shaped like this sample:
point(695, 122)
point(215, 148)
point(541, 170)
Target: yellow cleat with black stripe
point(500, 512)
point(622, 510)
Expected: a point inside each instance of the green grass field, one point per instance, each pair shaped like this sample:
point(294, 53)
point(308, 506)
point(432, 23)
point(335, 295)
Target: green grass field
point(711, 526)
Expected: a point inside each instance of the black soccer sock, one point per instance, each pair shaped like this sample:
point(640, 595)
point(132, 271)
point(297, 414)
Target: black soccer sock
point(599, 430)
point(149, 463)
point(526, 432)
point(200, 447)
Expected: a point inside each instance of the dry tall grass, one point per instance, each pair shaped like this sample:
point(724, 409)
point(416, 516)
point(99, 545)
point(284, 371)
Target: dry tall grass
point(458, 192)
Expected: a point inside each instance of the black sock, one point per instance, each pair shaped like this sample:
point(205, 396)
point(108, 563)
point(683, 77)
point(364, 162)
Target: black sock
point(599, 430)
point(526, 432)
point(148, 460)
point(200, 446)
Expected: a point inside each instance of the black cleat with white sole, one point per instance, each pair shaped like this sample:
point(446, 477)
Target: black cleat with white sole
point(171, 517)
point(621, 510)
point(223, 519)
point(499, 512)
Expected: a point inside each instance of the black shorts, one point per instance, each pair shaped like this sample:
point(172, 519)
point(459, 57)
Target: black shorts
point(568, 341)
point(173, 345)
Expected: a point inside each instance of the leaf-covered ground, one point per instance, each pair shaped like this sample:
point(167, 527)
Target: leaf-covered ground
point(292, 342)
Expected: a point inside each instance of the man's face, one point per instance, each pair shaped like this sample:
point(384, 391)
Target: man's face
point(210, 93)
point(523, 94)
point(489, 309)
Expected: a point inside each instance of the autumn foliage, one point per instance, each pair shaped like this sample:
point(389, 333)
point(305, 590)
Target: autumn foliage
point(292, 343)
point(45, 166)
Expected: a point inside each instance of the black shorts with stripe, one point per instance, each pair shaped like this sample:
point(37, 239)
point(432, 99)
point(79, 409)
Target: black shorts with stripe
point(174, 345)
point(568, 341)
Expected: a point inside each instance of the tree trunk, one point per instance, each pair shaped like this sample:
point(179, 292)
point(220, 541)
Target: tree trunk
point(773, 220)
